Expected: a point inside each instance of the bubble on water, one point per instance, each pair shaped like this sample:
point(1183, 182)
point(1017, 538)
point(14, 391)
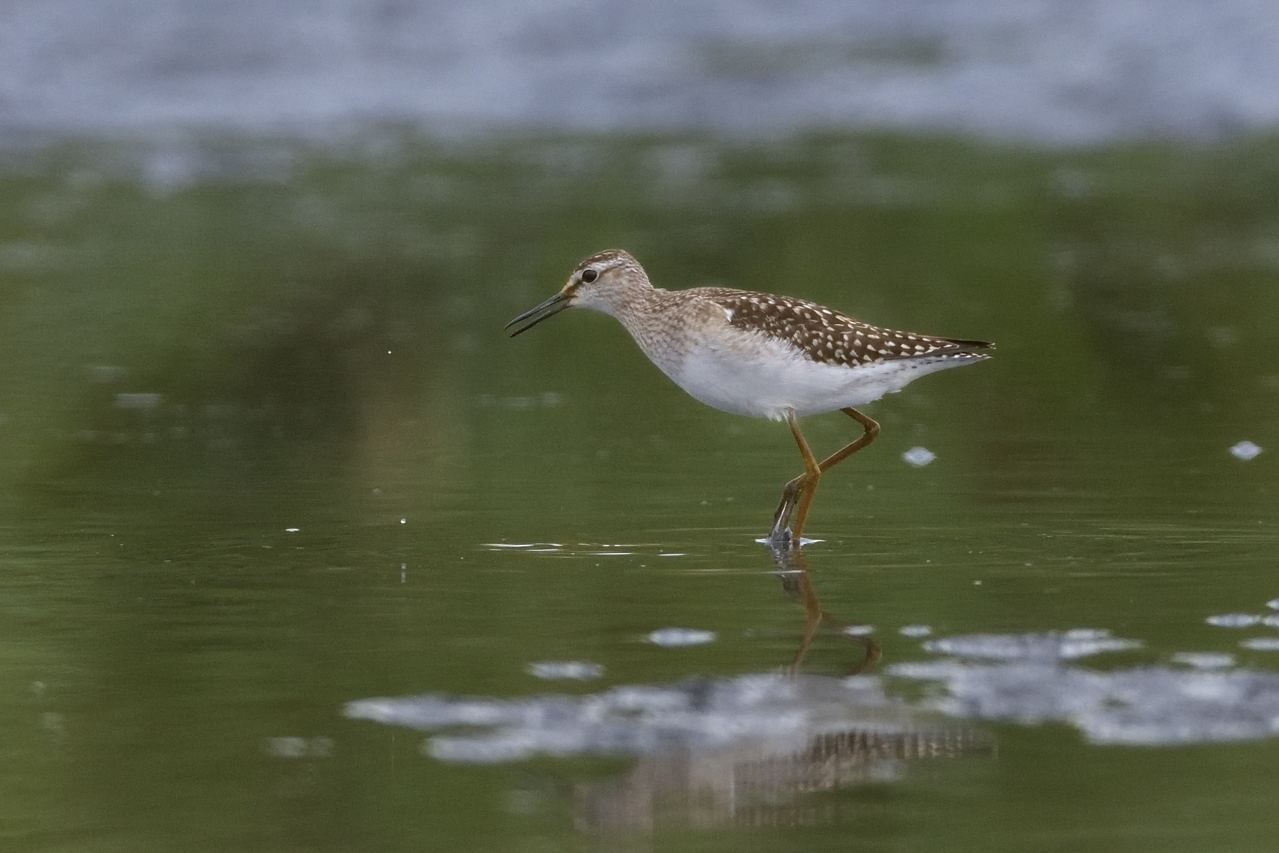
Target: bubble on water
point(567, 670)
point(915, 630)
point(1234, 620)
point(677, 637)
point(1261, 644)
point(1245, 450)
point(919, 456)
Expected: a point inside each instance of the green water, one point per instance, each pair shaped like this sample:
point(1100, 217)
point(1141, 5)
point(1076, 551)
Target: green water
point(261, 437)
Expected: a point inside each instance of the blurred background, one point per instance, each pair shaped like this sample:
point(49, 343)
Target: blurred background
point(265, 449)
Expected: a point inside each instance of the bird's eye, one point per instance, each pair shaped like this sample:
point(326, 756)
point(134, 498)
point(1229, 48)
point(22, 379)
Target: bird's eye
point(589, 275)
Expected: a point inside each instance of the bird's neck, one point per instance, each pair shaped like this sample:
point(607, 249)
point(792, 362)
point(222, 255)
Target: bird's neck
point(645, 312)
point(631, 302)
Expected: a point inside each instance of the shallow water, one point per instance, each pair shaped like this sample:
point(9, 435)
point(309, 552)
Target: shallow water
point(267, 456)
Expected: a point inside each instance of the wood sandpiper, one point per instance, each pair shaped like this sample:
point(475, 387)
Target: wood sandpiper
point(760, 355)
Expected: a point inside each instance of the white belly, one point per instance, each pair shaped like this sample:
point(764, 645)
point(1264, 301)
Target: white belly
point(767, 382)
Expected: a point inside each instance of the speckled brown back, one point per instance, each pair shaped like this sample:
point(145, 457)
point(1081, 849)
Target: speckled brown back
point(828, 337)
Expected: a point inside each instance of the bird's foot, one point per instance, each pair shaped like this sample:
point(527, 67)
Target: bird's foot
point(780, 540)
point(780, 536)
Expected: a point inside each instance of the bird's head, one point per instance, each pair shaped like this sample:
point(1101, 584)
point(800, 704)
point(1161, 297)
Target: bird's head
point(593, 284)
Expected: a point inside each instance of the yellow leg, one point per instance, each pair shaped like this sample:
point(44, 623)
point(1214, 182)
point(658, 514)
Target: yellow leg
point(797, 496)
point(808, 480)
point(871, 431)
point(798, 493)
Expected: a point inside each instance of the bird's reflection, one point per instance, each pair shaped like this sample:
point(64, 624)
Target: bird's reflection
point(792, 568)
point(762, 781)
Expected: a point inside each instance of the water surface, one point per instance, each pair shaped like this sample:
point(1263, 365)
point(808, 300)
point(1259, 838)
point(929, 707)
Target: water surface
point(266, 453)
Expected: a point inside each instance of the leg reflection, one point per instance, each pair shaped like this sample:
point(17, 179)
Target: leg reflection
point(792, 568)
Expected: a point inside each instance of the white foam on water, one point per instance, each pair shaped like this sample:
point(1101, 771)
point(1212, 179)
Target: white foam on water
point(1146, 705)
point(565, 670)
point(1068, 645)
point(672, 638)
point(1234, 620)
point(698, 714)
point(1245, 450)
point(1151, 706)
point(1261, 644)
point(919, 456)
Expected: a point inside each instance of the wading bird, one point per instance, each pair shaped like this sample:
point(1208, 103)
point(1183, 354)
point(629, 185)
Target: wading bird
point(760, 355)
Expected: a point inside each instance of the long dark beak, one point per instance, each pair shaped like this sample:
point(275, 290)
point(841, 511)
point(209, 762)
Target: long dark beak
point(549, 308)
